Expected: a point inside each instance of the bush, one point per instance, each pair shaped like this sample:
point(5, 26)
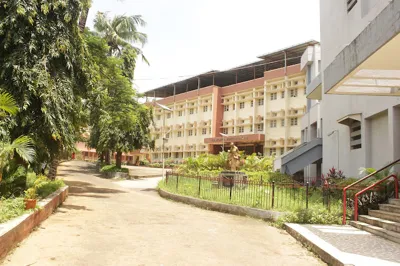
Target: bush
point(14, 181)
point(113, 169)
point(11, 208)
point(45, 186)
point(312, 216)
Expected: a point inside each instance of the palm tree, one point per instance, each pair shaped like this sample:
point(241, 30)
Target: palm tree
point(23, 146)
point(121, 33)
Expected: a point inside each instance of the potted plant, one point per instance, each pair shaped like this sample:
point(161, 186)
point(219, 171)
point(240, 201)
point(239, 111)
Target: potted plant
point(30, 198)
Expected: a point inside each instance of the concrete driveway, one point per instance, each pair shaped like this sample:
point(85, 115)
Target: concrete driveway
point(104, 223)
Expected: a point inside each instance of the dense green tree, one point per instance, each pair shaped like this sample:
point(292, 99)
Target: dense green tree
point(44, 67)
point(118, 121)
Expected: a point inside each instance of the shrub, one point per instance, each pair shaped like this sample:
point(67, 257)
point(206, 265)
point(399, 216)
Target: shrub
point(14, 181)
point(312, 216)
point(44, 189)
point(113, 169)
point(11, 208)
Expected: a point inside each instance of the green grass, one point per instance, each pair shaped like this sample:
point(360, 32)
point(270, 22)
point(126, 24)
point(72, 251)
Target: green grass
point(113, 169)
point(11, 208)
point(287, 197)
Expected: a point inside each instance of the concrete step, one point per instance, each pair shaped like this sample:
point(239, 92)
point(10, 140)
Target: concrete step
point(390, 208)
point(394, 217)
point(394, 201)
point(390, 235)
point(385, 224)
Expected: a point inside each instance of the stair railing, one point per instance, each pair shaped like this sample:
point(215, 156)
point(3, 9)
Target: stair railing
point(359, 181)
point(396, 192)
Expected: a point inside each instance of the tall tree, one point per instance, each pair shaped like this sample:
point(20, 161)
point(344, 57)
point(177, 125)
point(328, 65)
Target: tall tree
point(121, 33)
point(44, 67)
point(118, 121)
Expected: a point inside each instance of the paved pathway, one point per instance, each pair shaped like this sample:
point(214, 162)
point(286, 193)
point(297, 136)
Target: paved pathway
point(103, 223)
point(141, 171)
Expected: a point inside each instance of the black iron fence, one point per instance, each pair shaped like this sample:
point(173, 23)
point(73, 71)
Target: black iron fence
point(257, 194)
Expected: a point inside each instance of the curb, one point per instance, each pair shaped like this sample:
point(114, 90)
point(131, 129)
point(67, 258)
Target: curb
point(321, 248)
point(223, 207)
point(16, 230)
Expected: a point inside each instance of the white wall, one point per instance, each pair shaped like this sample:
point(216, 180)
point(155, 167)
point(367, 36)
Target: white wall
point(338, 29)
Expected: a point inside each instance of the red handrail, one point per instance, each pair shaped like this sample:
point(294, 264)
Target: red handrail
point(396, 192)
point(355, 183)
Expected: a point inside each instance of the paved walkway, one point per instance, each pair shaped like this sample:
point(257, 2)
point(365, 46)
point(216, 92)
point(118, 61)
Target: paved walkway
point(350, 245)
point(103, 223)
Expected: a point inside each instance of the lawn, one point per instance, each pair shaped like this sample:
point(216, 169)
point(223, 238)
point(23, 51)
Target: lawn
point(256, 194)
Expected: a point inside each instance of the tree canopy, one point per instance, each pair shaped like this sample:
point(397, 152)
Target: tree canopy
point(44, 66)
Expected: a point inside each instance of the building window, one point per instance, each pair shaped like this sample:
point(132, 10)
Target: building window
point(168, 115)
point(274, 96)
point(204, 131)
point(351, 4)
point(282, 94)
point(233, 106)
point(293, 93)
point(355, 135)
point(158, 117)
point(241, 129)
point(293, 121)
point(272, 123)
point(282, 122)
point(225, 131)
point(209, 130)
point(251, 103)
point(205, 108)
point(191, 111)
point(260, 102)
point(167, 136)
point(155, 155)
point(305, 91)
point(282, 151)
point(180, 113)
point(190, 133)
point(179, 134)
point(272, 152)
point(226, 108)
point(260, 127)
point(241, 105)
point(251, 128)
point(233, 130)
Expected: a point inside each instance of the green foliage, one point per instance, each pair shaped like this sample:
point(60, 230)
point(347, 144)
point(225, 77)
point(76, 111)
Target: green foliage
point(118, 121)
point(11, 208)
point(313, 215)
point(14, 180)
point(31, 193)
point(45, 188)
point(44, 67)
point(113, 169)
point(7, 104)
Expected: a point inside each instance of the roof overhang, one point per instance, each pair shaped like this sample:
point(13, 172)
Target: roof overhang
point(370, 65)
point(348, 119)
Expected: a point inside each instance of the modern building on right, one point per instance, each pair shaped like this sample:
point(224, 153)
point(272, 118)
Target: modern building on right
point(355, 99)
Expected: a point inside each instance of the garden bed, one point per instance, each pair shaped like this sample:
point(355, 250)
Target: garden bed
point(17, 229)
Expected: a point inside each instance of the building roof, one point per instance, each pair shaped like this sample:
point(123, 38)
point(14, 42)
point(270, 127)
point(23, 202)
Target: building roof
point(234, 75)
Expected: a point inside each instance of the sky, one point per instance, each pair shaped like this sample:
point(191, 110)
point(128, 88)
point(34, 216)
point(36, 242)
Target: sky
point(189, 37)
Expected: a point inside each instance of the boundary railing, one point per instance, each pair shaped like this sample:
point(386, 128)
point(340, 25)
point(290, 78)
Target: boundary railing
point(372, 186)
point(281, 195)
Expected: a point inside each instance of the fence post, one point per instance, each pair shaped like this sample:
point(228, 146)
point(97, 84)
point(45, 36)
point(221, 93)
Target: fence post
point(199, 183)
point(273, 194)
point(230, 189)
point(307, 186)
point(166, 178)
point(177, 181)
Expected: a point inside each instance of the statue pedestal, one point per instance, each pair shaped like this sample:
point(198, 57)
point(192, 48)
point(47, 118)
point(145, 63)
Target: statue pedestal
point(232, 178)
